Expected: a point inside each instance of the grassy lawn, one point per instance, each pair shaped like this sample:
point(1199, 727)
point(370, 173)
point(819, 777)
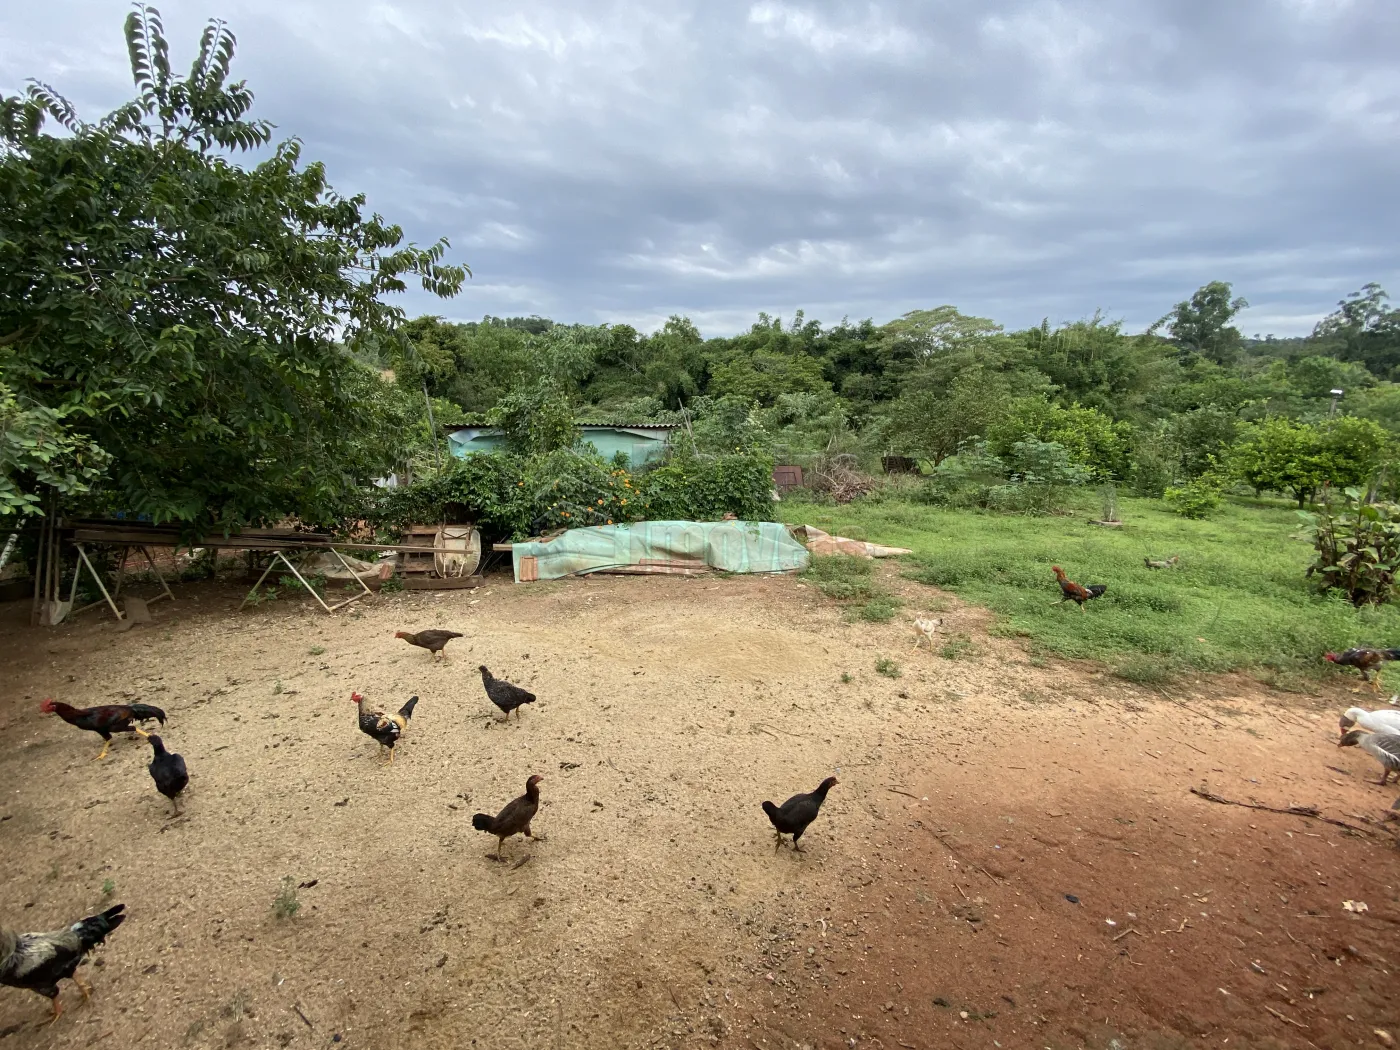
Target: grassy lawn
point(1237, 600)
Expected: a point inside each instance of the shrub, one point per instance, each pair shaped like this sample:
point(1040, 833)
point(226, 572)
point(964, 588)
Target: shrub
point(1358, 548)
point(842, 576)
point(887, 667)
point(880, 609)
point(1196, 499)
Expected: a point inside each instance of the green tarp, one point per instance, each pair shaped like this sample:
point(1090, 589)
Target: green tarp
point(668, 547)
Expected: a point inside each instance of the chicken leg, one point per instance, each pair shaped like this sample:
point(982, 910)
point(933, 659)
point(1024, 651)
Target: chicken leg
point(86, 989)
point(103, 753)
point(57, 1009)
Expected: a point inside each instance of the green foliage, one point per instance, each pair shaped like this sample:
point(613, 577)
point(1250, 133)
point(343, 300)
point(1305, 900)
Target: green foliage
point(184, 315)
point(1239, 599)
point(887, 667)
point(1201, 325)
point(515, 496)
point(1195, 499)
point(1300, 458)
point(536, 420)
point(1364, 329)
point(38, 451)
point(842, 576)
point(1092, 440)
point(880, 609)
point(285, 904)
point(1358, 547)
point(108, 887)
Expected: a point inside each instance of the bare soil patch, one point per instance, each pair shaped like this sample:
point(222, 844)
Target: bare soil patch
point(656, 912)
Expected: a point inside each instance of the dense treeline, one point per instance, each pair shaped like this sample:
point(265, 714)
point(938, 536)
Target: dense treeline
point(1189, 399)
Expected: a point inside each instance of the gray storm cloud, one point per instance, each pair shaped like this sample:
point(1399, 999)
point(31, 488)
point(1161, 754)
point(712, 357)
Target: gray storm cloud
point(599, 161)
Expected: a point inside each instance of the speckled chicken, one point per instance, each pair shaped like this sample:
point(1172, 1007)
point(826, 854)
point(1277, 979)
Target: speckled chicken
point(504, 695)
point(38, 961)
point(385, 729)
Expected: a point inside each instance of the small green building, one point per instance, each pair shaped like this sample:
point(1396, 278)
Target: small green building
point(640, 442)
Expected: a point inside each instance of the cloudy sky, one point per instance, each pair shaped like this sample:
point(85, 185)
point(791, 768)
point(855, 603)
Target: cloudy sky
point(625, 160)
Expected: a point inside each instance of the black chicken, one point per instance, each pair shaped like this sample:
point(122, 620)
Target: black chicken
point(386, 729)
point(38, 961)
point(167, 770)
point(504, 695)
point(793, 816)
point(515, 818)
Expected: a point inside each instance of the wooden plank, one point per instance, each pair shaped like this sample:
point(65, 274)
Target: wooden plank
point(441, 583)
point(506, 547)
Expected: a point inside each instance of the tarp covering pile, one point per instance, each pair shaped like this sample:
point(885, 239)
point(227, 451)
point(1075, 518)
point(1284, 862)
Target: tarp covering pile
point(819, 542)
point(668, 547)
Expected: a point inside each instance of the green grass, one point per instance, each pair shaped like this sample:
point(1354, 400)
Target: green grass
point(887, 667)
point(880, 609)
point(1237, 600)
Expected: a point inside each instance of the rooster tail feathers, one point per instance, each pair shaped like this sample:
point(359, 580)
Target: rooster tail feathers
point(407, 710)
point(94, 929)
point(1096, 589)
point(482, 821)
point(145, 712)
point(1391, 654)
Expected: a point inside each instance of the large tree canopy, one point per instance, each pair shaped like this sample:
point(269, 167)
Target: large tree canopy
point(175, 328)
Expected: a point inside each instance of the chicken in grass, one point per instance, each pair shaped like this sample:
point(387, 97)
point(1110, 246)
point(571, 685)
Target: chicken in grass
point(105, 720)
point(793, 816)
point(514, 819)
point(386, 729)
point(1383, 747)
point(38, 961)
point(167, 770)
point(504, 695)
point(1074, 592)
point(433, 641)
point(1365, 661)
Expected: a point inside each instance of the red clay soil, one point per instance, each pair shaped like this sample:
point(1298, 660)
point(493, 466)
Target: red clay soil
point(1067, 890)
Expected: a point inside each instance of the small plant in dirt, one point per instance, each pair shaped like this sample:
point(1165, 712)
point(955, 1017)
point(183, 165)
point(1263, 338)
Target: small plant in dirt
point(285, 904)
point(277, 687)
point(846, 677)
point(392, 585)
point(880, 609)
point(1145, 670)
point(842, 577)
point(956, 647)
point(317, 650)
point(267, 594)
point(887, 667)
point(108, 887)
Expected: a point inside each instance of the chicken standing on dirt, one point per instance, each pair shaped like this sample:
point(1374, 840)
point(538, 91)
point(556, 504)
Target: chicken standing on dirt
point(167, 770)
point(1074, 592)
point(433, 641)
point(793, 816)
point(515, 818)
point(385, 729)
point(1383, 747)
point(106, 720)
point(38, 961)
point(504, 695)
point(1365, 661)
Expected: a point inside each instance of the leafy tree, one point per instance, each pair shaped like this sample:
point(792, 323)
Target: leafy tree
point(932, 423)
point(1093, 364)
point(185, 315)
point(1363, 328)
point(1092, 439)
point(1201, 324)
point(1300, 458)
point(38, 451)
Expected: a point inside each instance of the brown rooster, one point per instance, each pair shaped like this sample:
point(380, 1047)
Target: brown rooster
point(1074, 592)
point(106, 720)
point(1365, 661)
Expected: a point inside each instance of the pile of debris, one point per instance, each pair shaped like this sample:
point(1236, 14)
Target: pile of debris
point(841, 478)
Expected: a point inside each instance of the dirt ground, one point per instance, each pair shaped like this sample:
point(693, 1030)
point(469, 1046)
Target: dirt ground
point(1012, 858)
